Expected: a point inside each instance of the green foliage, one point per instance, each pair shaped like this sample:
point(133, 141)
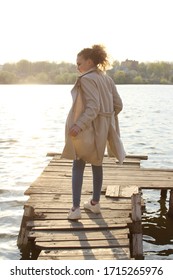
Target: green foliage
point(7, 78)
point(120, 77)
point(43, 72)
point(138, 80)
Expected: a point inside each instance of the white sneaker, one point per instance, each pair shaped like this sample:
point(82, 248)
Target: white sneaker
point(93, 208)
point(74, 215)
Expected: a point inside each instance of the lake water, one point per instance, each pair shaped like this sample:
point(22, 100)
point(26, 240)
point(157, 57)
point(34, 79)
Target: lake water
point(32, 119)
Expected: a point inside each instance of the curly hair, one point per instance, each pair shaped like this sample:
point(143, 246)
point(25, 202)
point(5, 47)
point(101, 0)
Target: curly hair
point(97, 54)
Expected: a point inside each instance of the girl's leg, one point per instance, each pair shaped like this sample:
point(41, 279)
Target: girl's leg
point(97, 182)
point(77, 180)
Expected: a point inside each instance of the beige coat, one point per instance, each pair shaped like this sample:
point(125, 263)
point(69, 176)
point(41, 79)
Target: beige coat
point(96, 104)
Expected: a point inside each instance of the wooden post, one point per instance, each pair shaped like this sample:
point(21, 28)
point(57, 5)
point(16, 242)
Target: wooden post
point(163, 193)
point(23, 234)
point(137, 245)
point(170, 211)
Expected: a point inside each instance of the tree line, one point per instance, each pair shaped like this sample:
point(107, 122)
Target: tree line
point(126, 72)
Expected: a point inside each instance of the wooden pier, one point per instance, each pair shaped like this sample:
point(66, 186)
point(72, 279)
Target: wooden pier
point(116, 233)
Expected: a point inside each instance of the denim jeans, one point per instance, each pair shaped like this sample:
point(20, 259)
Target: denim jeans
point(77, 180)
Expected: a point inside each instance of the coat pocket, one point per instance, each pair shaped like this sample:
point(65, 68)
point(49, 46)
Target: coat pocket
point(84, 143)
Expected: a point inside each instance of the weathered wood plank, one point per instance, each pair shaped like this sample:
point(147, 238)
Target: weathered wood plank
point(58, 168)
point(84, 244)
point(64, 187)
point(66, 235)
point(62, 214)
point(114, 175)
point(82, 224)
point(86, 254)
point(88, 257)
point(121, 191)
point(57, 155)
point(63, 198)
point(54, 214)
point(52, 204)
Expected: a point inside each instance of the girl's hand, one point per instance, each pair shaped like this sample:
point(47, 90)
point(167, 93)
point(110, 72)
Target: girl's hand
point(74, 130)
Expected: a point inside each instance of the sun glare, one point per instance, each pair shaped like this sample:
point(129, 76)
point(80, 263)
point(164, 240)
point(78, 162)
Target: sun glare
point(27, 112)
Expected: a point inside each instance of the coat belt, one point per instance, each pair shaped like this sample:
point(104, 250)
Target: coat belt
point(106, 114)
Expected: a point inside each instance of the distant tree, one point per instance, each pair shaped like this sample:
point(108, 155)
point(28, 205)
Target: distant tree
point(127, 72)
point(65, 78)
point(165, 70)
point(43, 67)
point(42, 78)
point(30, 80)
point(23, 68)
point(120, 77)
point(9, 67)
point(164, 81)
point(138, 80)
point(7, 78)
point(142, 71)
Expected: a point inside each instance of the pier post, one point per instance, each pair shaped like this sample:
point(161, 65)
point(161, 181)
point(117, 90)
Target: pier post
point(136, 230)
point(163, 193)
point(170, 211)
point(23, 234)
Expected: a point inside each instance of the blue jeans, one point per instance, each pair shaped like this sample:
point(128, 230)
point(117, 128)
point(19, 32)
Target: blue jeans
point(77, 180)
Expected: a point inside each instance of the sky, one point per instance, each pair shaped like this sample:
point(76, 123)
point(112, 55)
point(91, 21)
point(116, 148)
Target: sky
point(56, 30)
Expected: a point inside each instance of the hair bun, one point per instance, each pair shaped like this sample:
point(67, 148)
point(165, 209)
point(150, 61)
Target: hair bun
point(98, 55)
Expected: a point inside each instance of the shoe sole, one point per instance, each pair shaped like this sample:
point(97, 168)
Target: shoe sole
point(95, 212)
point(73, 219)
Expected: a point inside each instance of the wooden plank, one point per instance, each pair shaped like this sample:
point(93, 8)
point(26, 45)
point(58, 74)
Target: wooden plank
point(107, 165)
point(82, 224)
point(66, 175)
point(42, 235)
point(58, 168)
point(106, 162)
point(57, 155)
point(47, 188)
point(53, 214)
point(121, 191)
point(128, 191)
point(85, 215)
point(64, 198)
point(67, 198)
point(112, 175)
point(83, 244)
point(139, 176)
point(67, 206)
point(74, 257)
point(86, 254)
point(62, 165)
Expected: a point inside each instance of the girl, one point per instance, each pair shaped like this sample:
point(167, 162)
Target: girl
point(91, 125)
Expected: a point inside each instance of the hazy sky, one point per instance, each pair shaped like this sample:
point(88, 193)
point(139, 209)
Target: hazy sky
point(56, 30)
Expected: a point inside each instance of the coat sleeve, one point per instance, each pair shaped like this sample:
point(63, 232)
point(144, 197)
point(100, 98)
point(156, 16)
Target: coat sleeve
point(90, 95)
point(117, 102)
